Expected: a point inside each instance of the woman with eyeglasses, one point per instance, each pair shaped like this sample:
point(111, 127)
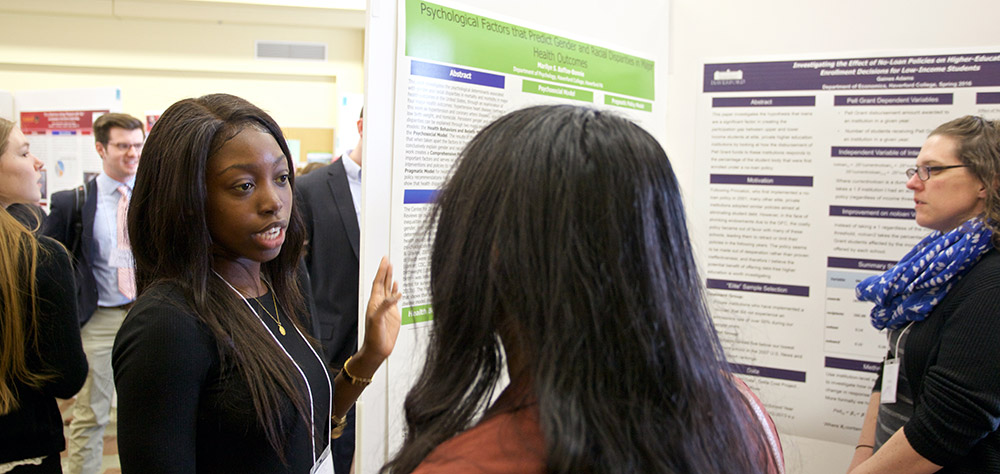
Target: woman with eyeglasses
point(936, 404)
point(41, 356)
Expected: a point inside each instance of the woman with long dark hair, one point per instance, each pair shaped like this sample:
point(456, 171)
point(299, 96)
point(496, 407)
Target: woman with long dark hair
point(214, 369)
point(41, 356)
point(936, 404)
point(561, 257)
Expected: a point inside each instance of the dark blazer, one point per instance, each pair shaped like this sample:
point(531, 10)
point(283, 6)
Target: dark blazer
point(324, 198)
point(59, 225)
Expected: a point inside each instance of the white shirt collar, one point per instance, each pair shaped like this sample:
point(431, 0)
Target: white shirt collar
point(353, 169)
point(111, 185)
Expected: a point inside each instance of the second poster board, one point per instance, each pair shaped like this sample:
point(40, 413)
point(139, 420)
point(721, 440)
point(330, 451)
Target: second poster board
point(456, 68)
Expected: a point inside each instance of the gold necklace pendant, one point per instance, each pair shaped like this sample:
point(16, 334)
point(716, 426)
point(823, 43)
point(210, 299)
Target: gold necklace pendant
point(276, 317)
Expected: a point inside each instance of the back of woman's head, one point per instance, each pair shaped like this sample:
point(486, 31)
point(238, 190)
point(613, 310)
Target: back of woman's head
point(561, 235)
point(978, 142)
point(167, 218)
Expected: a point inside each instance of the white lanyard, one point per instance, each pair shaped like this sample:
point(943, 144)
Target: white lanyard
point(895, 354)
point(890, 371)
point(329, 385)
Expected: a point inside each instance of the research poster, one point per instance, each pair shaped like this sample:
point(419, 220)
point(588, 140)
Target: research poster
point(64, 141)
point(59, 125)
point(801, 193)
point(459, 68)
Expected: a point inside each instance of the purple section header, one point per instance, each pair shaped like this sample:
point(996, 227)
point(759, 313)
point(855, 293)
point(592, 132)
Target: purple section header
point(859, 264)
point(755, 287)
point(805, 101)
point(874, 152)
point(761, 180)
point(909, 99)
point(849, 364)
point(855, 74)
point(419, 196)
point(449, 73)
point(988, 97)
point(769, 372)
point(880, 212)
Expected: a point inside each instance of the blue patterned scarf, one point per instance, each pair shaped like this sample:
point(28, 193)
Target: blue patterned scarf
point(921, 279)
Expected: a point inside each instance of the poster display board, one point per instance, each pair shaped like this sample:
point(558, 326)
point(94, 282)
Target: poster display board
point(800, 172)
point(457, 68)
point(59, 124)
point(7, 105)
point(64, 141)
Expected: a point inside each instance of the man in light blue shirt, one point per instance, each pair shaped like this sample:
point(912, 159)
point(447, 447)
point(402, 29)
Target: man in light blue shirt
point(90, 222)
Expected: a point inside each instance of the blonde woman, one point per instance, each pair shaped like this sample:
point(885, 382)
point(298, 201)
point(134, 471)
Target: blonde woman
point(41, 356)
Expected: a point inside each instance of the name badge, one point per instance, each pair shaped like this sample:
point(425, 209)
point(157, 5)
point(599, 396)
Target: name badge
point(324, 465)
point(121, 258)
point(890, 379)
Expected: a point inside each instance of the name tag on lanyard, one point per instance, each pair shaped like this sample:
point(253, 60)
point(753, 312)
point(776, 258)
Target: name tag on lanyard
point(324, 465)
point(890, 380)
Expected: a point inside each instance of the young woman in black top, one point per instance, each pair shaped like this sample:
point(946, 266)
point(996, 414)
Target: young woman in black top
point(214, 368)
point(41, 356)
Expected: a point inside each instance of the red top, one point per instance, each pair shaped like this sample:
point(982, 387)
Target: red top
point(509, 440)
point(775, 464)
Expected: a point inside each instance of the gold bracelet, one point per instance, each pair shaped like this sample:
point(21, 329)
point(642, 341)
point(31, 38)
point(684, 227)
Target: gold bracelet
point(864, 446)
point(356, 381)
point(338, 426)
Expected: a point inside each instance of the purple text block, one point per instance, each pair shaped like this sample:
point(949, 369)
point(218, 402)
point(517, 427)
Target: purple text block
point(768, 372)
point(419, 196)
point(854, 75)
point(757, 287)
point(874, 151)
point(988, 97)
point(859, 264)
point(851, 364)
point(905, 99)
point(877, 212)
point(804, 101)
point(450, 73)
point(758, 180)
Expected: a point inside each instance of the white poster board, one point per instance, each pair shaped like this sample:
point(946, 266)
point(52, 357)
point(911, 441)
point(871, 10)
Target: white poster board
point(801, 194)
point(455, 68)
point(59, 125)
point(7, 105)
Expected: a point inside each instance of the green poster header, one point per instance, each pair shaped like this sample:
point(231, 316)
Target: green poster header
point(446, 35)
point(416, 314)
point(533, 87)
point(628, 103)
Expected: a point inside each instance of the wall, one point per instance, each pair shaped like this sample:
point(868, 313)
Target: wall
point(709, 29)
point(160, 51)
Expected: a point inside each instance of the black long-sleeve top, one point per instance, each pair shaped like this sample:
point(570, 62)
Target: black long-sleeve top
point(180, 411)
point(952, 363)
point(35, 428)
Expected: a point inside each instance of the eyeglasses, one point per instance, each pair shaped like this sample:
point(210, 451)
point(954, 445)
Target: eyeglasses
point(123, 147)
point(924, 172)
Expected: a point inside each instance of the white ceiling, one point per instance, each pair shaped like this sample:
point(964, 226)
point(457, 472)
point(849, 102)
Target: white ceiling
point(349, 14)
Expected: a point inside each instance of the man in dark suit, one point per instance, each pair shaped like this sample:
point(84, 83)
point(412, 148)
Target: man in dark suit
point(330, 199)
point(90, 222)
